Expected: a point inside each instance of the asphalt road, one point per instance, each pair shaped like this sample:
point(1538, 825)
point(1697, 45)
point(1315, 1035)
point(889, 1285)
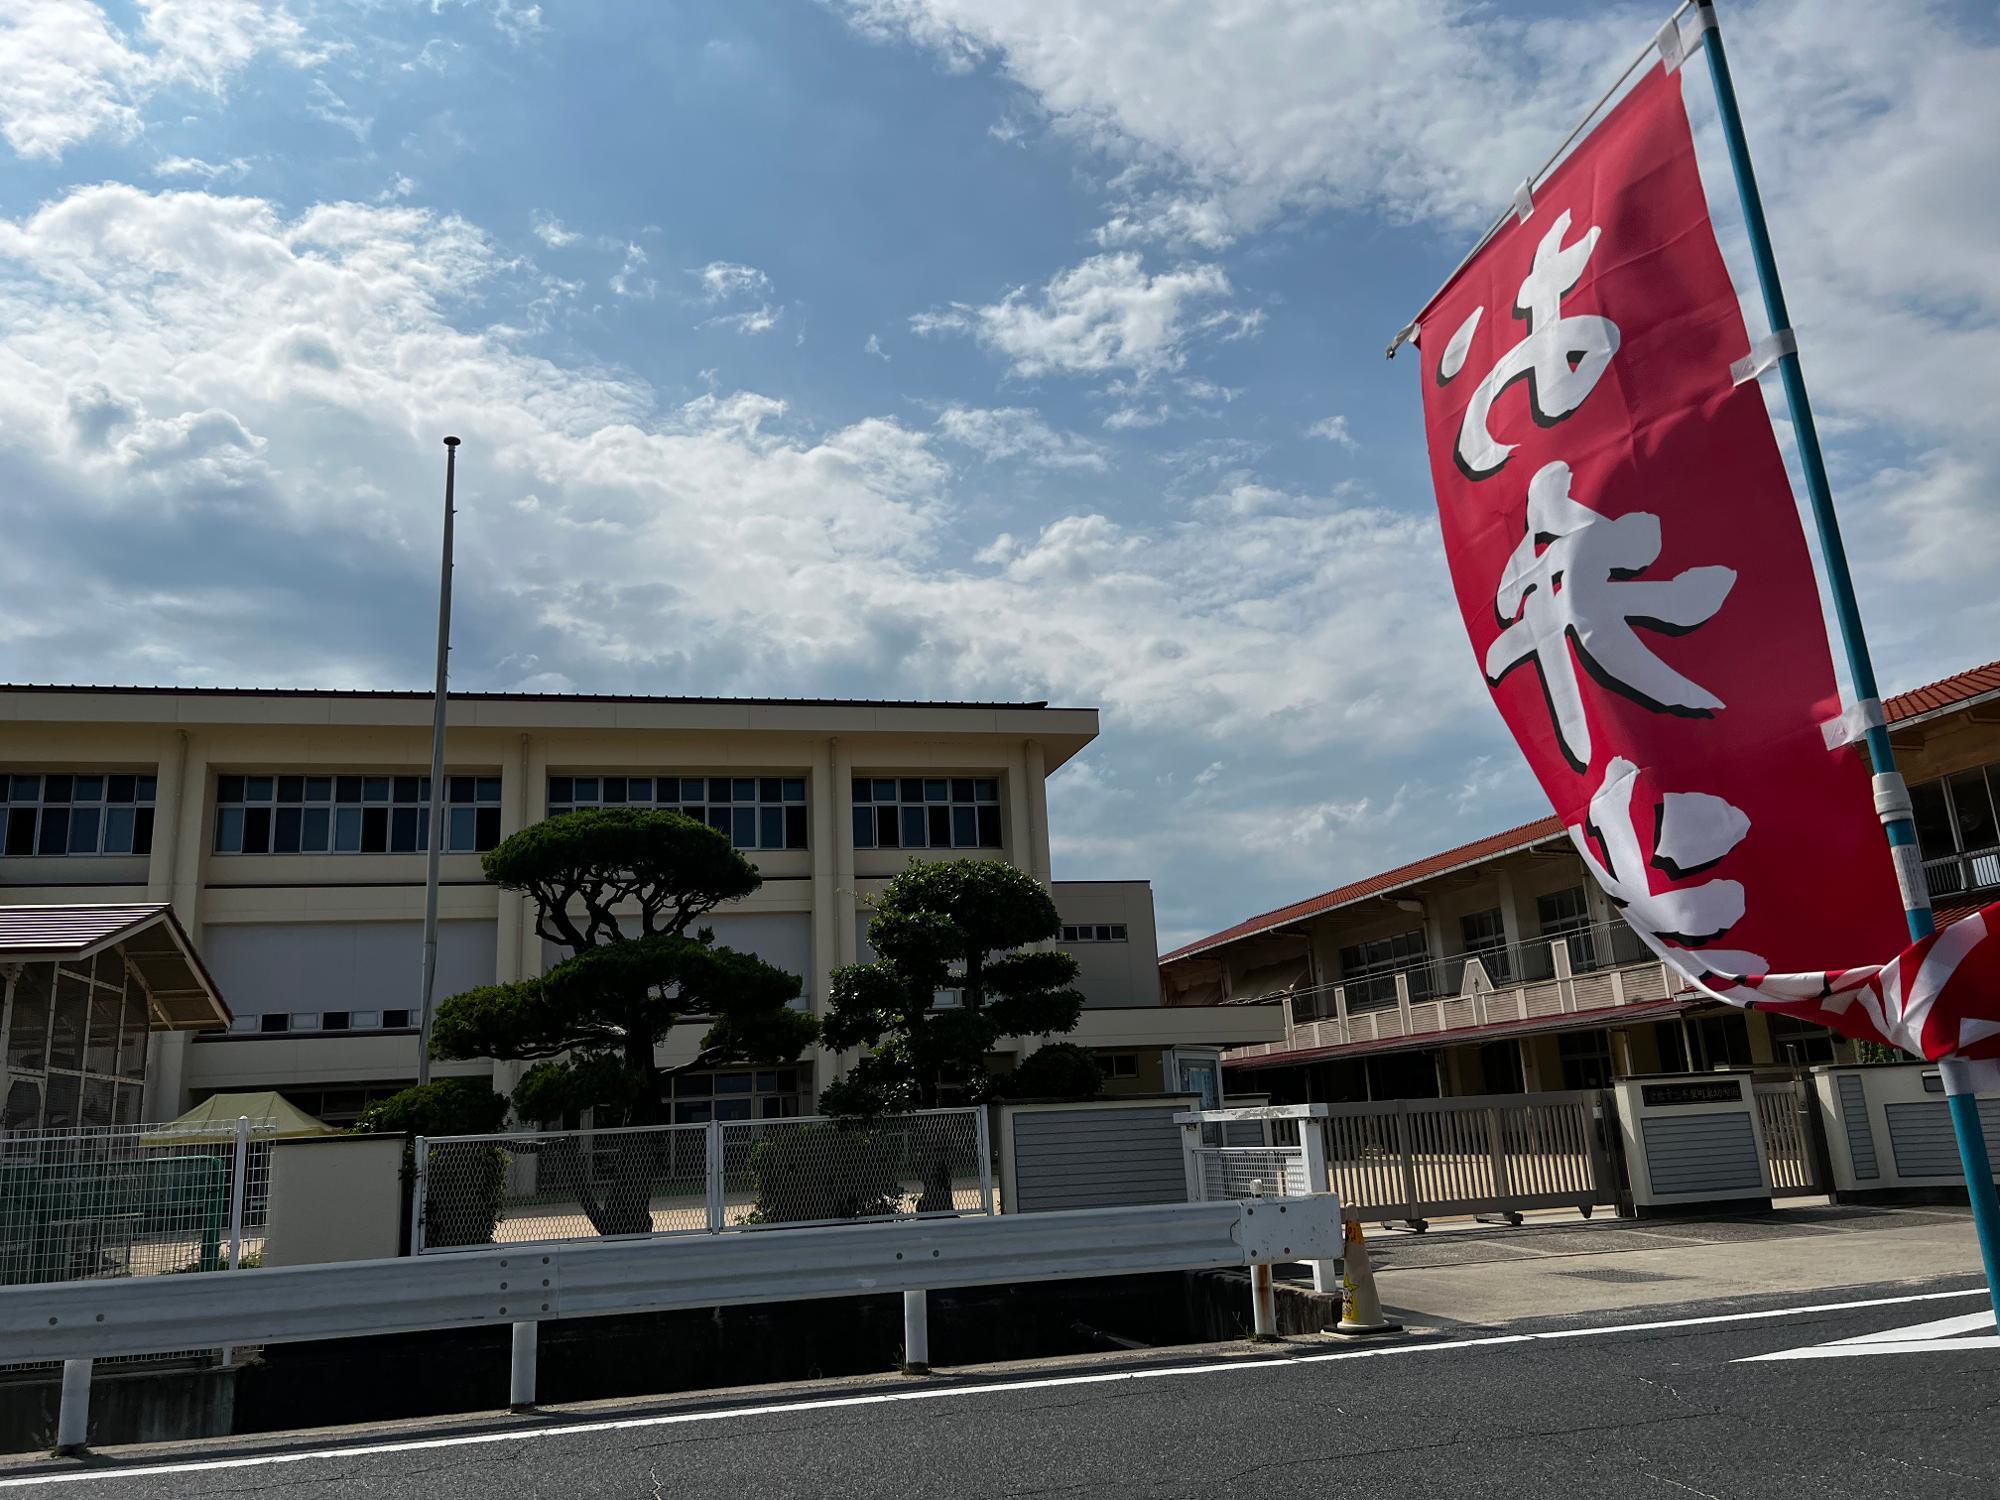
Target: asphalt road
point(1654, 1404)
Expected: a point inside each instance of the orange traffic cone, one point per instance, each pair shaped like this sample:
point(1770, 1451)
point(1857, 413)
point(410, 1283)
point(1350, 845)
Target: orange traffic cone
point(1360, 1307)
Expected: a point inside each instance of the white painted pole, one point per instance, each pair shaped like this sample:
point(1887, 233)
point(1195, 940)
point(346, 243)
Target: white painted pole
point(434, 845)
point(916, 1334)
point(985, 1149)
point(1312, 1141)
point(73, 1417)
point(239, 1169)
point(1263, 1304)
point(521, 1382)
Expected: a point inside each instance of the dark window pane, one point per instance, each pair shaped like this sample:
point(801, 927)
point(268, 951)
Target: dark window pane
point(913, 828)
point(938, 820)
point(319, 789)
point(936, 790)
point(771, 828)
point(989, 826)
point(119, 788)
point(146, 787)
point(888, 828)
point(314, 830)
point(55, 830)
point(21, 830)
point(486, 830)
point(743, 789)
point(559, 789)
point(229, 789)
point(614, 790)
point(83, 830)
point(795, 789)
point(462, 828)
point(770, 789)
point(374, 830)
point(638, 789)
point(285, 839)
point(229, 830)
point(718, 819)
point(795, 827)
point(489, 789)
point(291, 788)
point(965, 827)
point(864, 790)
point(961, 789)
point(459, 788)
point(406, 789)
point(744, 835)
point(55, 789)
point(142, 830)
point(118, 830)
point(258, 788)
point(347, 788)
point(885, 791)
point(403, 830)
point(913, 789)
point(864, 829)
point(88, 789)
point(586, 788)
point(718, 788)
point(256, 830)
point(334, 1020)
point(274, 1023)
point(374, 789)
point(347, 830)
point(986, 790)
point(395, 1019)
point(27, 789)
point(1975, 810)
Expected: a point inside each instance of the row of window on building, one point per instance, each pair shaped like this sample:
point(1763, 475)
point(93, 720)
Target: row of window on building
point(1097, 932)
point(112, 813)
point(327, 1020)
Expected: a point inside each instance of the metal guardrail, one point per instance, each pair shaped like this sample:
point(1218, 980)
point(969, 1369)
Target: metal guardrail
point(547, 1186)
point(81, 1321)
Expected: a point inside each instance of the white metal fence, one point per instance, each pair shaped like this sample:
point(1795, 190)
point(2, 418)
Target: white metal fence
point(94, 1202)
point(1250, 1172)
point(532, 1187)
point(1419, 1159)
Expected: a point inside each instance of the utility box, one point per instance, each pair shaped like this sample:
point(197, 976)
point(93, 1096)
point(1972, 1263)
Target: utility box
point(335, 1197)
point(1693, 1140)
point(1888, 1129)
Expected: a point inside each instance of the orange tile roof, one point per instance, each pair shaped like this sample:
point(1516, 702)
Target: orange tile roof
point(1916, 703)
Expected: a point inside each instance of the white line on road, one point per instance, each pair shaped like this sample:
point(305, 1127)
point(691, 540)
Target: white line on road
point(1946, 1335)
point(937, 1393)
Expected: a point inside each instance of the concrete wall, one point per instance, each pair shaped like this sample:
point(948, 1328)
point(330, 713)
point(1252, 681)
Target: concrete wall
point(1112, 973)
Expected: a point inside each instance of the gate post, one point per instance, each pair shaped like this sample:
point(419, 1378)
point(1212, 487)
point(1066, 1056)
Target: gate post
point(1312, 1148)
point(718, 1201)
point(1819, 1154)
point(417, 1194)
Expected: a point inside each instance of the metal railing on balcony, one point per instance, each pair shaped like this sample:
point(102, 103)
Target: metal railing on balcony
point(1587, 968)
point(1955, 874)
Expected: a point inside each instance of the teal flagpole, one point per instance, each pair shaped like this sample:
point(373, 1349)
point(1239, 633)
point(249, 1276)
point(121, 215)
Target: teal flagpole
point(1892, 798)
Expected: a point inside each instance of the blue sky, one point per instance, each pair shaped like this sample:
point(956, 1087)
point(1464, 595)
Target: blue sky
point(954, 348)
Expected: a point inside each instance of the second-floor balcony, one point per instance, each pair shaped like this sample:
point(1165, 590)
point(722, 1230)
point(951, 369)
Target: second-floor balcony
point(1585, 969)
point(1957, 874)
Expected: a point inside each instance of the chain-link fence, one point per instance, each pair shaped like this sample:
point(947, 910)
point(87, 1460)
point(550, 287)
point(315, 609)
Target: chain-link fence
point(1250, 1172)
point(130, 1200)
point(534, 1186)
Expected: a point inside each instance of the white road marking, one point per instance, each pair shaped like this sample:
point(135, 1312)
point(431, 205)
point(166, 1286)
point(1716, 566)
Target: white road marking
point(1921, 1338)
point(96, 1473)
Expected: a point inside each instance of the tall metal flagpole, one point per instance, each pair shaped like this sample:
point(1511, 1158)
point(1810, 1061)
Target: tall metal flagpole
point(434, 841)
point(1892, 797)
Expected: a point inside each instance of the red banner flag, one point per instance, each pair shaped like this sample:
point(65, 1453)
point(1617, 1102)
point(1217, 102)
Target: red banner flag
point(1629, 561)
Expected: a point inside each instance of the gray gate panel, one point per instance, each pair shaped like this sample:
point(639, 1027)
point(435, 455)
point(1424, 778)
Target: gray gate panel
point(1921, 1138)
point(1702, 1153)
point(1089, 1158)
point(1860, 1134)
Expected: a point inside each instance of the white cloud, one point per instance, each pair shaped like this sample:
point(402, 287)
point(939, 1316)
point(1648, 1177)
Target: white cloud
point(323, 103)
point(206, 171)
point(70, 74)
point(1016, 432)
point(1106, 313)
point(550, 231)
point(752, 320)
point(874, 347)
point(1171, 219)
point(1334, 430)
point(722, 280)
point(629, 279)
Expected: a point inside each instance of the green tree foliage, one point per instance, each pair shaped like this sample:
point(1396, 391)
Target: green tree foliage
point(1061, 1070)
point(953, 924)
point(465, 1187)
point(592, 1023)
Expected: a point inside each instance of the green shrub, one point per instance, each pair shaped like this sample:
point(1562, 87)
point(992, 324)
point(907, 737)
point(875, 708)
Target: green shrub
point(465, 1188)
point(1061, 1070)
point(804, 1173)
